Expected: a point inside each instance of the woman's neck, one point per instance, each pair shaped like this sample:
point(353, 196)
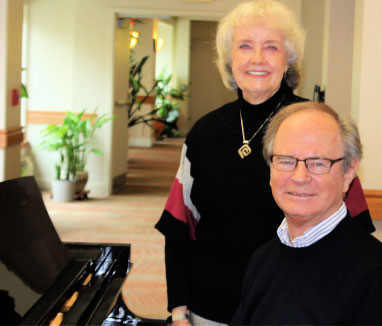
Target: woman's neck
point(256, 98)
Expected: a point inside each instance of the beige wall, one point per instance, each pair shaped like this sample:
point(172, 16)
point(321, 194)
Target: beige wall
point(182, 67)
point(164, 58)
point(369, 111)
point(312, 13)
point(121, 82)
point(207, 91)
point(11, 17)
point(340, 56)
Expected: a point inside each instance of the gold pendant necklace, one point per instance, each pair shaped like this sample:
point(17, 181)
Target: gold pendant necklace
point(245, 149)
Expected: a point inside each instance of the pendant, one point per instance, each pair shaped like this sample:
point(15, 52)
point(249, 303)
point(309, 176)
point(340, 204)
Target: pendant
point(244, 151)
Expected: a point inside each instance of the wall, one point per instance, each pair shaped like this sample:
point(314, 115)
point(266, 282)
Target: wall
point(182, 67)
point(369, 115)
point(340, 56)
point(11, 17)
point(121, 82)
point(312, 13)
point(164, 58)
point(207, 91)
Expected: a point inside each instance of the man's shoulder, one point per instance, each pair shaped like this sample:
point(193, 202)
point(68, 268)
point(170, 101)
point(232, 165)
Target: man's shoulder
point(358, 242)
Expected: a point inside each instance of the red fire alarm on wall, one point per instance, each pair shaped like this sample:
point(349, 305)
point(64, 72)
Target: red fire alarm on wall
point(15, 97)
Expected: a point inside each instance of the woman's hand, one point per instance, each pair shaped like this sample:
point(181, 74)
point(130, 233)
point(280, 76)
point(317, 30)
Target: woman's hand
point(180, 316)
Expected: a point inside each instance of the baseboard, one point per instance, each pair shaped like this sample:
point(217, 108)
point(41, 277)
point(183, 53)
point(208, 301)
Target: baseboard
point(119, 182)
point(374, 201)
point(11, 136)
point(140, 142)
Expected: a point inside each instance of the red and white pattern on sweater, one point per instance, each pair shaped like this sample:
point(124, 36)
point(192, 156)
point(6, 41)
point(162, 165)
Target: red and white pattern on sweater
point(179, 203)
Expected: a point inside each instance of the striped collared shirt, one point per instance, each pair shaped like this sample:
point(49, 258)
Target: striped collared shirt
point(313, 234)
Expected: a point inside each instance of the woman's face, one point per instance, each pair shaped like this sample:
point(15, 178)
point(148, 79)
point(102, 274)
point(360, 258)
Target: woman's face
point(258, 61)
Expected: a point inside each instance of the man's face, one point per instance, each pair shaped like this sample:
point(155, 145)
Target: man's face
point(305, 198)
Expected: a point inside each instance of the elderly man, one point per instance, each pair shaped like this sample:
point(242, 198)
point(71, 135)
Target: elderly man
point(323, 268)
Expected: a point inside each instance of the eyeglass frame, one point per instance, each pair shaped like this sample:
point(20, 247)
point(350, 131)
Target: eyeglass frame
point(306, 164)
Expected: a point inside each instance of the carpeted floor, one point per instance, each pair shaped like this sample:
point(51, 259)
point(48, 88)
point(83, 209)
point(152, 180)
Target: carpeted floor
point(129, 217)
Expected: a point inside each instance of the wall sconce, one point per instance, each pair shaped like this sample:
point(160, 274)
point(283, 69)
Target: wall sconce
point(134, 35)
point(158, 44)
point(157, 41)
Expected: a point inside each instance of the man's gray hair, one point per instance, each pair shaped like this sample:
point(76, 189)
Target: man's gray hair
point(348, 131)
point(249, 13)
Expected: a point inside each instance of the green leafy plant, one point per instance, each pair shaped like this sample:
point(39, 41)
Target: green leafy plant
point(72, 141)
point(87, 128)
point(166, 110)
point(24, 90)
point(134, 115)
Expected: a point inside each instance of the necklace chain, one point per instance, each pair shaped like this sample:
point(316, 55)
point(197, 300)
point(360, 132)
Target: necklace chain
point(245, 150)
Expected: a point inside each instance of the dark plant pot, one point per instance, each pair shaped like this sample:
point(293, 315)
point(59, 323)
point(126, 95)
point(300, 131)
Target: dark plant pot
point(158, 129)
point(81, 181)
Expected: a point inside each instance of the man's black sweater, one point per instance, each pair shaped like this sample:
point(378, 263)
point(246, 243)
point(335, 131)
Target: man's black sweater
point(336, 281)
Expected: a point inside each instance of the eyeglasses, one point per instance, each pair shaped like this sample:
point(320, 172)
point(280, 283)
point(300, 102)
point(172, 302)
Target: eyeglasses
point(314, 165)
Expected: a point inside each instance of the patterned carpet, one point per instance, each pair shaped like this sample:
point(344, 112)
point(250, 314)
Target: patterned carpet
point(129, 217)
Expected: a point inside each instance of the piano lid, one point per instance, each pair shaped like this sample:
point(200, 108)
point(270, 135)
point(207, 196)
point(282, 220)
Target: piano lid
point(31, 252)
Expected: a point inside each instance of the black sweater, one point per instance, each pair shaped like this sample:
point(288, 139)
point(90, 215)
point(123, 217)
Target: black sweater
point(220, 209)
point(336, 281)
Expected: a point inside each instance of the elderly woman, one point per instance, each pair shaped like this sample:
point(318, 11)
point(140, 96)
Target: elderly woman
point(220, 208)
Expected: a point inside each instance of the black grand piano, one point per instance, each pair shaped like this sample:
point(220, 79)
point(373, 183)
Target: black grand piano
point(46, 282)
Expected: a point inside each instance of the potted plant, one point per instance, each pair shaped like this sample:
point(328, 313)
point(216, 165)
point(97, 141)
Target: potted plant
point(72, 141)
point(62, 139)
point(166, 111)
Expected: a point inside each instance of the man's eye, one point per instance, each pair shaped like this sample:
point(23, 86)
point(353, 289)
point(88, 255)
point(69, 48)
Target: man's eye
point(318, 163)
point(286, 162)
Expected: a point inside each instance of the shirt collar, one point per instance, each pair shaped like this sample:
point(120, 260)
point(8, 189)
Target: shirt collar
point(313, 234)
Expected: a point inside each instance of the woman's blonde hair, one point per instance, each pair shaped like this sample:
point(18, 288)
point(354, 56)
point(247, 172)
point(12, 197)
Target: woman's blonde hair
point(248, 13)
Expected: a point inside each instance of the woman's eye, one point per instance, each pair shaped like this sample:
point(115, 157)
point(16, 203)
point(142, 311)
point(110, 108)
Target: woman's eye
point(244, 46)
point(271, 48)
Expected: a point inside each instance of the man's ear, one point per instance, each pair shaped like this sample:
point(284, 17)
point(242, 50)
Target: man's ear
point(350, 174)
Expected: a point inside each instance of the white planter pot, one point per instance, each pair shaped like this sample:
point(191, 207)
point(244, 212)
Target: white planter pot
point(63, 190)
